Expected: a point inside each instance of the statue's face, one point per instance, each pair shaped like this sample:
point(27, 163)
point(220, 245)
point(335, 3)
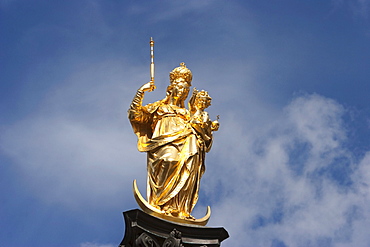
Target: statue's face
point(178, 79)
point(180, 90)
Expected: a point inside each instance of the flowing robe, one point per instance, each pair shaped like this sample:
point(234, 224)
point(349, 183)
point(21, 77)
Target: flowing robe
point(175, 154)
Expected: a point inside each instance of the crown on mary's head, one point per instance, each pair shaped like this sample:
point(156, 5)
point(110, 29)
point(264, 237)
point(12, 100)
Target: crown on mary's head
point(181, 71)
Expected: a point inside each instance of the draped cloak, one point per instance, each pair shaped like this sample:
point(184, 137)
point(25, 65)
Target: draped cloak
point(175, 154)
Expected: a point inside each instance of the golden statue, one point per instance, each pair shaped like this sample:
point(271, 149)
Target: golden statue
point(175, 140)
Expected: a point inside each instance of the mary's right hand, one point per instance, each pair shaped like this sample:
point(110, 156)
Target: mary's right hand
point(148, 87)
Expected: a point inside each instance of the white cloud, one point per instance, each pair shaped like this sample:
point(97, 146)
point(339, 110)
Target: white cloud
point(268, 181)
point(273, 176)
point(74, 150)
point(265, 200)
point(317, 122)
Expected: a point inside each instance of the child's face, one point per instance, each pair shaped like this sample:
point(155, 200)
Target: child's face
point(202, 103)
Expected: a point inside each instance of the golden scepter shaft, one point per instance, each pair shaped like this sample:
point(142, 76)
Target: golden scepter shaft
point(151, 59)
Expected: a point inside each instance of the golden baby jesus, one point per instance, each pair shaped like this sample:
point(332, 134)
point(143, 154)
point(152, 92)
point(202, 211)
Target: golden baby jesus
point(199, 120)
point(175, 140)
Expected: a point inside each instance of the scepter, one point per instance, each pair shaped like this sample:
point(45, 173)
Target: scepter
point(151, 60)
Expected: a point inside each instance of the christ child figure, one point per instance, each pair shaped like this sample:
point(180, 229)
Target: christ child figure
point(200, 120)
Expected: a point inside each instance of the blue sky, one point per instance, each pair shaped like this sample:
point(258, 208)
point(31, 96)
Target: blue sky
point(290, 165)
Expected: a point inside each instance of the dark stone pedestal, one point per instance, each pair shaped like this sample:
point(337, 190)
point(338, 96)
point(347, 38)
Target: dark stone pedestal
point(143, 230)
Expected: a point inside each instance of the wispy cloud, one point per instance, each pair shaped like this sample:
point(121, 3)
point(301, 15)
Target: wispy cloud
point(278, 174)
point(280, 179)
point(285, 188)
point(73, 151)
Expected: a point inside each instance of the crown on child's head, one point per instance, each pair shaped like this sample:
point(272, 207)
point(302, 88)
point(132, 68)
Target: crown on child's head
point(203, 94)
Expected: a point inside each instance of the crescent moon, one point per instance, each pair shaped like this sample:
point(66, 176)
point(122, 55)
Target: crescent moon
point(149, 209)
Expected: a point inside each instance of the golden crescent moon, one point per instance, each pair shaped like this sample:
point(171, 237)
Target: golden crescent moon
point(149, 209)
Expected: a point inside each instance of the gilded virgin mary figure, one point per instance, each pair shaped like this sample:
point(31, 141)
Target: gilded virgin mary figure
point(175, 140)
